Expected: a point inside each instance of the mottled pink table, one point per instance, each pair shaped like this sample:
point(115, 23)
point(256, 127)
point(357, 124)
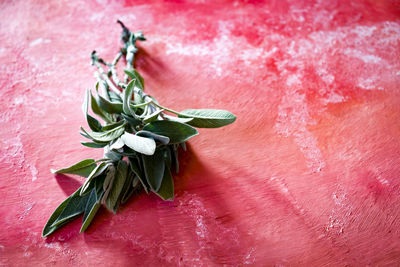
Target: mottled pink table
point(309, 174)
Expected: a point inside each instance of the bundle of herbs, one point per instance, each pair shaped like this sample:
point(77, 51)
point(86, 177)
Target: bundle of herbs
point(140, 140)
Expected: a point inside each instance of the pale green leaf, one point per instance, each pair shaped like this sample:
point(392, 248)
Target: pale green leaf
point(143, 145)
point(208, 118)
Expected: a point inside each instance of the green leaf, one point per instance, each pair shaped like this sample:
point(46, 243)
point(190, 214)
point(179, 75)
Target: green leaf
point(49, 228)
point(134, 75)
point(176, 131)
point(82, 168)
point(126, 98)
point(100, 169)
point(181, 120)
point(75, 207)
point(160, 138)
point(108, 106)
point(111, 126)
point(98, 111)
point(118, 183)
point(114, 97)
point(166, 191)
point(153, 116)
point(107, 135)
point(127, 189)
point(208, 118)
point(92, 206)
point(143, 145)
point(132, 121)
point(94, 145)
point(134, 163)
point(92, 122)
point(154, 169)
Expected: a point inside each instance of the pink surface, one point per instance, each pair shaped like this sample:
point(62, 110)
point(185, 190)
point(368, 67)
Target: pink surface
point(307, 175)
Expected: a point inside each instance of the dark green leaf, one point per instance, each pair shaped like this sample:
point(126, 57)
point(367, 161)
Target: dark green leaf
point(107, 135)
point(82, 168)
point(94, 145)
point(160, 138)
point(49, 228)
point(75, 206)
point(154, 169)
point(100, 169)
point(92, 206)
point(92, 122)
point(166, 191)
point(118, 183)
point(132, 121)
point(111, 126)
point(208, 118)
point(135, 165)
point(176, 131)
point(143, 145)
point(153, 116)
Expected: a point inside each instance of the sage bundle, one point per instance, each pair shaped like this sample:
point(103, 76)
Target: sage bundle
point(139, 136)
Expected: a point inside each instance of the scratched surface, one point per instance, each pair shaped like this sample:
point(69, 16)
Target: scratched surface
point(307, 175)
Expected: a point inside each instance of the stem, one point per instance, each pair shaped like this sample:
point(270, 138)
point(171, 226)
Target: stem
point(114, 71)
point(106, 78)
point(167, 109)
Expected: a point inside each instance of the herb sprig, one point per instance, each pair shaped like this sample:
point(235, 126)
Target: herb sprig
point(139, 139)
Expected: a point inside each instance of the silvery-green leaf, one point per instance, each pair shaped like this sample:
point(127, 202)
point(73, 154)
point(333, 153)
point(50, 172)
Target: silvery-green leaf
point(114, 97)
point(181, 120)
point(118, 183)
point(143, 145)
point(91, 208)
point(134, 164)
point(107, 135)
point(153, 116)
point(134, 75)
point(176, 131)
point(126, 98)
point(208, 118)
point(117, 144)
point(154, 169)
point(108, 181)
point(82, 168)
point(166, 191)
point(111, 126)
point(108, 106)
point(111, 155)
point(98, 111)
point(92, 122)
point(160, 138)
point(94, 145)
point(49, 228)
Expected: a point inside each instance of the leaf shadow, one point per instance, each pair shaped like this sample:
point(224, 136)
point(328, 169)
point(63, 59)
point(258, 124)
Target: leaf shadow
point(67, 183)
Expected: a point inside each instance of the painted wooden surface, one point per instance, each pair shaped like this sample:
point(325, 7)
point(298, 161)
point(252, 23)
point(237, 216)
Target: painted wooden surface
point(307, 175)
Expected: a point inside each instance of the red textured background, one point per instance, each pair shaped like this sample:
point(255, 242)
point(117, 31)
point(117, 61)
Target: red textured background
point(307, 175)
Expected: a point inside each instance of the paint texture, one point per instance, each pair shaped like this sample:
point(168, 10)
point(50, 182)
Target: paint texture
point(308, 175)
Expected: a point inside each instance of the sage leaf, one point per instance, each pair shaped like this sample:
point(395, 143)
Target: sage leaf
point(92, 206)
point(118, 183)
point(166, 191)
point(112, 126)
point(127, 189)
point(153, 116)
point(154, 169)
point(92, 122)
point(181, 120)
point(134, 163)
point(98, 111)
point(108, 106)
point(49, 227)
point(107, 135)
point(94, 145)
point(75, 206)
point(132, 121)
point(126, 98)
point(208, 118)
point(118, 144)
point(176, 131)
point(111, 155)
point(96, 172)
point(134, 75)
point(143, 145)
point(82, 168)
point(160, 138)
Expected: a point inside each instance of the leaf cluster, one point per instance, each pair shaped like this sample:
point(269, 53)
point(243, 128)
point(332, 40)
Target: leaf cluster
point(140, 141)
